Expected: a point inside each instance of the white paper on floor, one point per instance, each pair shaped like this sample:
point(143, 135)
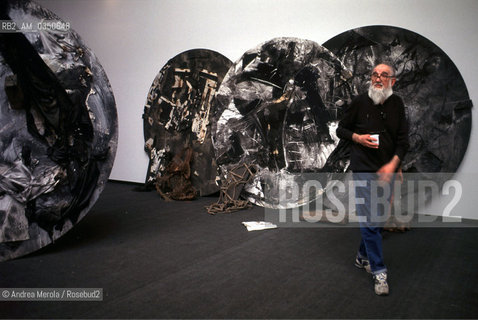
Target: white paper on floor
point(258, 225)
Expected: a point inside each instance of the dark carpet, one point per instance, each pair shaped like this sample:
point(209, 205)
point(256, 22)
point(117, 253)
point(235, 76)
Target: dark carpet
point(158, 259)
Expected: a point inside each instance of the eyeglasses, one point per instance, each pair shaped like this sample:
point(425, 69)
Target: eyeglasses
point(383, 76)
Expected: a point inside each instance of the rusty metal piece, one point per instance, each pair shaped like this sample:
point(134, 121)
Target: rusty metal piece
point(236, 179)
point(176, 183)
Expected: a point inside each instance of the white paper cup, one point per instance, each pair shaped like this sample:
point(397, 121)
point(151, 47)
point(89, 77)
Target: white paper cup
point(375, 136)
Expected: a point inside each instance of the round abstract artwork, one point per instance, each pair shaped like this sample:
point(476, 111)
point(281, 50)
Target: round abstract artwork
point(277, 109)
point(178, 115)
point(58, 129)
point(436, 100)
point(435, 96)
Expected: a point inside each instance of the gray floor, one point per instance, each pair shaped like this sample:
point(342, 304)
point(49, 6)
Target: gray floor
point(157, 259)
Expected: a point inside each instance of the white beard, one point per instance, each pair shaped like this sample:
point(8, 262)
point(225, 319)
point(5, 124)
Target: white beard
point(379, 95)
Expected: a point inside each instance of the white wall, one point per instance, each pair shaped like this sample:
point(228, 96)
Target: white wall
point(134, 39)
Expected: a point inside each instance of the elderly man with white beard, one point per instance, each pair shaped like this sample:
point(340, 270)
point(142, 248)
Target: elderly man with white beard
point(376, 122)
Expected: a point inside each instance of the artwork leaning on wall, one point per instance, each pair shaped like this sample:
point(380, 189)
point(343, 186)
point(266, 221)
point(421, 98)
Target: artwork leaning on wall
point(278, 106)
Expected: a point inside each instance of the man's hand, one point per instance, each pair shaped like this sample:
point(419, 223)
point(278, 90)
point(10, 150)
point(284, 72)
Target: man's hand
point(385, 173)
point(366, 140)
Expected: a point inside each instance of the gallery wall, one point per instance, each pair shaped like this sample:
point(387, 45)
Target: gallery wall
point(134, 39)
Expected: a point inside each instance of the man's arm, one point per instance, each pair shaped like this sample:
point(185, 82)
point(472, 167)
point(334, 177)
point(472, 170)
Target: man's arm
point(391, 166)
point(402, 145)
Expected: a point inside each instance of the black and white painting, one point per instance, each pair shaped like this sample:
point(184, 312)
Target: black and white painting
point(436, 99)
point(58, 127)
point(278, 108)
point(178, 115)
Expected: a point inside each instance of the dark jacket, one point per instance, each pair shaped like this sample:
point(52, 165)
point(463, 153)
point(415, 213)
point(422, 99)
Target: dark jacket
point(388, 120)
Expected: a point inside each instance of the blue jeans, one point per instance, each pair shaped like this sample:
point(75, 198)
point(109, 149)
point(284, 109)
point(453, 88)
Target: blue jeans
point(372, 204)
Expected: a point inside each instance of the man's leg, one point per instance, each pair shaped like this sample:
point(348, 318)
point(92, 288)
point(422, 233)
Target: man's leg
point(372, 240)
point(371, 244)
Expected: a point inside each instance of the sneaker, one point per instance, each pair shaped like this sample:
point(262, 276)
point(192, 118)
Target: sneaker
point(363, 264)
point(380, 284)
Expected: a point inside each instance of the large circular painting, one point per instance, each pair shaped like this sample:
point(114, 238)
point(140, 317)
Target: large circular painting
point(58, 129)
point(277, 109)
point(436, 100)
point(435, 96)
point(178, 116)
